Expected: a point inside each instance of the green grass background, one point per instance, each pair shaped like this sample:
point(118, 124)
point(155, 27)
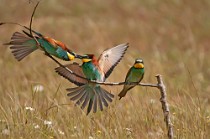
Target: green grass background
point(172, 37)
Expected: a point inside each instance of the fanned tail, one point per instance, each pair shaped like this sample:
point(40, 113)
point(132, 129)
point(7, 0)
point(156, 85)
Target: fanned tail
point(21, 45)
point(95, 98)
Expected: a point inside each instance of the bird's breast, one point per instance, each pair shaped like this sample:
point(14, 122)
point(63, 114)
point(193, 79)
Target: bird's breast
point(92, 72)
point(135, 75)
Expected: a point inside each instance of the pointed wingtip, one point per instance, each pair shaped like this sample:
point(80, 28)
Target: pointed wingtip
point(7, 43)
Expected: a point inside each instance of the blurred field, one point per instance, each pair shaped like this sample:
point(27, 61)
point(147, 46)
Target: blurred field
point(172, 37)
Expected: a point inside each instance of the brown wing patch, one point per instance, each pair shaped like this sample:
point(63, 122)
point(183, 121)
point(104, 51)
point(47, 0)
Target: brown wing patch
point(76, 68)
point(50, 40)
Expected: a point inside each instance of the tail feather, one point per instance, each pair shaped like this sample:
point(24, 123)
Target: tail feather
point(15, 42)
point(81, 99)
point(79, 95)
point(18, 46)
point(21, 45)
point(95, 103)
point(100, 102)
point(85, 102)
point(19, 51)
point(74, 91)
point(95, 98)
point(19, 55)
point(108, 96)
point(19, 36)
point(107, 93)
point(90, 105)
point(101, 93)
point(104, 101)
point(122, 93)
point(126, 88)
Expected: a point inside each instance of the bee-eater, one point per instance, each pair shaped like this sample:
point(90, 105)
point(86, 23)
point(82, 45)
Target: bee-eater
point(99, 70)
point(22, 44)
point(135, 74)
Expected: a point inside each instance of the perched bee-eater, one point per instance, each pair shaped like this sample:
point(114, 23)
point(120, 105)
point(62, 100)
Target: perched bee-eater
point(22, 44)
point(92, 93)
point(135, 74)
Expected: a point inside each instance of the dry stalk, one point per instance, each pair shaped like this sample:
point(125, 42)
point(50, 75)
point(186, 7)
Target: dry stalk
point(165, 106)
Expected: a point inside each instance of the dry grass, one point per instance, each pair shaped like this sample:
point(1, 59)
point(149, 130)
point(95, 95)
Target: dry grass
point(171, 36)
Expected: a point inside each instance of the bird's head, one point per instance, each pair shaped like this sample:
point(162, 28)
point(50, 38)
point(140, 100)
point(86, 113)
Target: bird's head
point(139, 64)
point(87, 58)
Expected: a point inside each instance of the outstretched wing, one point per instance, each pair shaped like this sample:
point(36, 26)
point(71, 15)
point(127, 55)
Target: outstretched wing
point(111, 57)
point(71, 77)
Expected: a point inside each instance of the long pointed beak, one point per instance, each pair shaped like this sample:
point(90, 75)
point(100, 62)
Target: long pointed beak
point(78, 56)
point(71, 57)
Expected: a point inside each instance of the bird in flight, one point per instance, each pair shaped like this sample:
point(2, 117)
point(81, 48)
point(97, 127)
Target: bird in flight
point(88, 93)
point(22, 44)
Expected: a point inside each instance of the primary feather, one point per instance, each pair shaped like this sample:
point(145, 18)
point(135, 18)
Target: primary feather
point(76, 68)
point(111, 57)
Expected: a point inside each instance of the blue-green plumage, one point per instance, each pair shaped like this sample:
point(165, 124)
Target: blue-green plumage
point(135, 74)
point(91, 71)
point(52, 50)
point(88, 93)
point(24, 44)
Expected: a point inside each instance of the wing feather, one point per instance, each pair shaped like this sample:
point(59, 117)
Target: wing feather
point(76, 68)
point(111, 57)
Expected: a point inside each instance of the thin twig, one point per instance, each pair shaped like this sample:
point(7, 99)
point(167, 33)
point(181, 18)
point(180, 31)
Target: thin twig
point(93, 81)
point(165, 106)
point(37, 42)
point(32, 17)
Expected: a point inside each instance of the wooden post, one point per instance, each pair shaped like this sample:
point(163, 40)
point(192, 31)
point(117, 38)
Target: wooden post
point(165, 106)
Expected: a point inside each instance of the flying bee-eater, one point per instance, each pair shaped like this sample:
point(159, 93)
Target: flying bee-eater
point(93, 69)
point(135, 74)
point(22, 44)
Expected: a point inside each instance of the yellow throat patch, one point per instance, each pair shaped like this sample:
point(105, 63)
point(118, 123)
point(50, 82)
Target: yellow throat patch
point(86, 60)
point(138, 65)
